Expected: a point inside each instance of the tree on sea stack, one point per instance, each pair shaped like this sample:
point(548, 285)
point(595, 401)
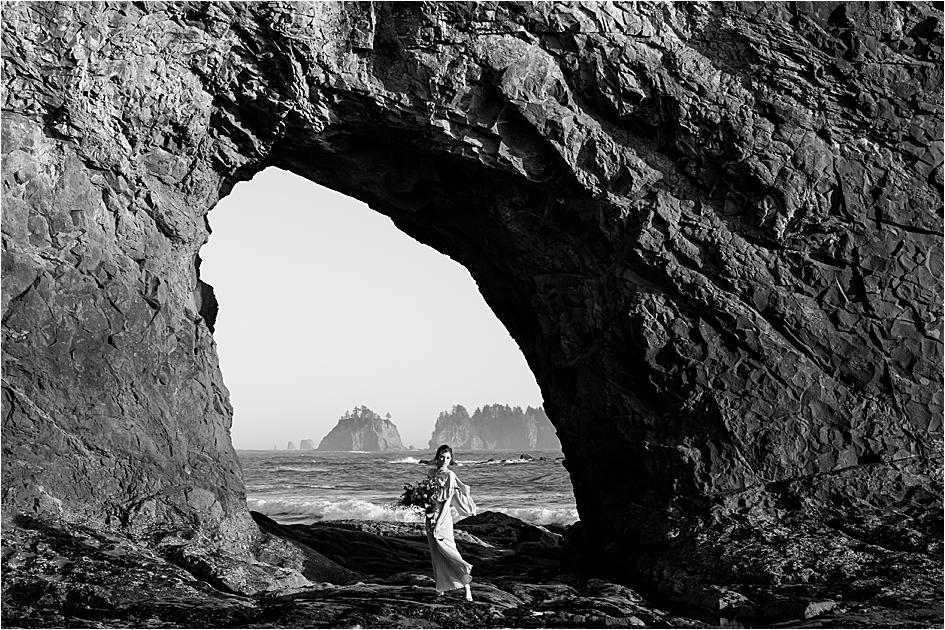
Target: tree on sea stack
point(361, 429)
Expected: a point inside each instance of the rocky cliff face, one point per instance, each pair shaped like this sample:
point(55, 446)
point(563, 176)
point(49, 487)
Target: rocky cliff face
point(715, 231)
point(454, 427)
point(362, 430)
point(494, 427)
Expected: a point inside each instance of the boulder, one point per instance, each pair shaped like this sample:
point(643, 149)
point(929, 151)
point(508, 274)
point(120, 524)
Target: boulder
point(310, 563)
point(506, 531)
point(235, 574)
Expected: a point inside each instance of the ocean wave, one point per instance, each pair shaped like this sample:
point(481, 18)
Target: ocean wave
point(495, 462)
point(543, 516)
point(303, 469)
point(405, 460)
point(298, 509)
point(278, 488)
point(469, 462)
point(290, 509)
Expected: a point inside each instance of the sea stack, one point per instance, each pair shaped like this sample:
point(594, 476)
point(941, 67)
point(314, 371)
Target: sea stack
point(362, 430)
point(307, 445)
point(495, 427)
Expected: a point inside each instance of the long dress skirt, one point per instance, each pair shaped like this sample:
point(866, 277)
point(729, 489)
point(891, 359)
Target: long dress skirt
point(449, 569)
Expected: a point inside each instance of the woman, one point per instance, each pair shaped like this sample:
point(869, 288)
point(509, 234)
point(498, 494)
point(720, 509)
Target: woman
point(449, 569)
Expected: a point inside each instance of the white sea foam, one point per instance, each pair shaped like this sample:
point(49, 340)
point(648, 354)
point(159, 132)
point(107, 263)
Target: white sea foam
point(405, 460)
point(496, 462)
point(292, 509)
point(303, 469)
point(543, 516)
point(303, 509)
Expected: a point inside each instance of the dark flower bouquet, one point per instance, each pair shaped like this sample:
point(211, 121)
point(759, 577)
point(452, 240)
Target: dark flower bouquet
point(420, 496)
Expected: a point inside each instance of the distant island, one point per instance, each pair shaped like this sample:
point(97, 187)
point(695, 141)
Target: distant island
point(362, 430)
point(495, 427)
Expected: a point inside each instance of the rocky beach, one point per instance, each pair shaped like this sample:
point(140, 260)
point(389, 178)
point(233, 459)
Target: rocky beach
point(332, 552)
point(370, 574)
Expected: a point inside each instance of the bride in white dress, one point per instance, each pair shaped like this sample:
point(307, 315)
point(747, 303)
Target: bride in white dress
point(449, 569)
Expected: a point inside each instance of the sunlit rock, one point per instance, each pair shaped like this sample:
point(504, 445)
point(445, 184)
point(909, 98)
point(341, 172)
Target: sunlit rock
point(362, 430)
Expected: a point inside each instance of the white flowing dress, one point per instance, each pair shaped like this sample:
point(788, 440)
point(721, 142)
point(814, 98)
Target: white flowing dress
point(449, 569)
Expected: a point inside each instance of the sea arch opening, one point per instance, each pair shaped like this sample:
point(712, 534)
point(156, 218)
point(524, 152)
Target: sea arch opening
point(325, 305)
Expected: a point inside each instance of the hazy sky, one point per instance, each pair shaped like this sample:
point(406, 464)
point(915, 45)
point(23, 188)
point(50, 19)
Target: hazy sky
point(325, 305)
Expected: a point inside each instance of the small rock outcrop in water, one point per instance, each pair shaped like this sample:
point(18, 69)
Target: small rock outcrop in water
point(362, 430)
point(495, 427)
point(306, 445)
point(290, 446)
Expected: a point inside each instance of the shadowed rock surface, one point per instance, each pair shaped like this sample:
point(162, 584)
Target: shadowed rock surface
point(362, 430)
point(715, 231)
point(80, 577)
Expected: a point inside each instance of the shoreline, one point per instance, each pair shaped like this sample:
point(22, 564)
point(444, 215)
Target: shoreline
point(557, 526)
point(309, 486)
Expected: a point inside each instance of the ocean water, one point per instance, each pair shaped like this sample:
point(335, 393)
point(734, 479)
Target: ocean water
point(307, 486)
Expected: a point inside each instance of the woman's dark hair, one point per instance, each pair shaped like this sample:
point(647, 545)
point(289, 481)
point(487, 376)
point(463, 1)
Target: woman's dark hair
point(443, 448)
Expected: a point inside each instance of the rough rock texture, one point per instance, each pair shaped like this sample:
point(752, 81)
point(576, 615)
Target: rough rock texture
point(494, 427)
point(362, 430)
point(454, 427)
point(82, 578)
point(715, 231)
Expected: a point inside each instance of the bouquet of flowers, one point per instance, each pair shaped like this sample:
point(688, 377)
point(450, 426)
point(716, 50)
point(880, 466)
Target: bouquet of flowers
point(420, 496)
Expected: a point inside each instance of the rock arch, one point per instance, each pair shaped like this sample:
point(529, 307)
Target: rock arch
point(716, 238)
